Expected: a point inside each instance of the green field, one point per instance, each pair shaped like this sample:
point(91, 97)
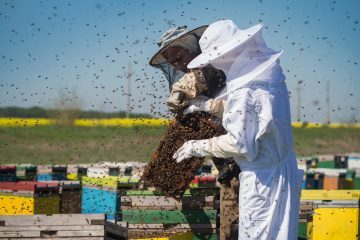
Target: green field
point(62, 145)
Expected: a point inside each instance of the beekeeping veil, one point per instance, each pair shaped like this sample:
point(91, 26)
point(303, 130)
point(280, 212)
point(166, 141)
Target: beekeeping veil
point(241, 54)
point(176, 37)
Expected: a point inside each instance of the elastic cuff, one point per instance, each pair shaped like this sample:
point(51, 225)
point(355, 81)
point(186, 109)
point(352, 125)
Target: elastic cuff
point(207, 106)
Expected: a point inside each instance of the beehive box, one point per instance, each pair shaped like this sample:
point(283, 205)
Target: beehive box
point(189, 217)
point(335, 213)
point(203, 181)
point(98, 172)
point(329, 195)
point(305, 228)
point(7, 173)
point(102, 195)
point(148, 202)
point(60, 226)
point(59, 172)
point(44, 173)
point(341, 161)
point(150, 214)
point(354, 162)
point(26, 172)
point(136, 169)
point(76, 172)
point(347, 180)
point(19, 198)
point(326, 164)
point(357, 179)
point(331, 177)
point(70, 195)
point(336, 223)
point(206, 169)
point(313, 180)
point(170, 235)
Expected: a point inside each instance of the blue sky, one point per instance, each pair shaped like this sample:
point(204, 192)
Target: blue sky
point(50, 50)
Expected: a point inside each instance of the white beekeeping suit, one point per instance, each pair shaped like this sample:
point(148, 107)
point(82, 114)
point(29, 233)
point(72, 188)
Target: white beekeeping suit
point(257, 119)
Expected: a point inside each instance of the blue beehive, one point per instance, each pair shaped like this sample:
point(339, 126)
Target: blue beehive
point(100, 200)
point(101, 195)
point(44, 177)
point(44, 173)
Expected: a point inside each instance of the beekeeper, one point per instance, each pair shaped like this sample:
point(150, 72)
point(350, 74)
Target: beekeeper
point(178, 47)
point(259, 134)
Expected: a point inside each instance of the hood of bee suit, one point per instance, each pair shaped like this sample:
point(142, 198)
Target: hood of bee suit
point(242, 54)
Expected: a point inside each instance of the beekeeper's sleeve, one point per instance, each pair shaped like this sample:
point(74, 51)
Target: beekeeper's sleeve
point(248, 119)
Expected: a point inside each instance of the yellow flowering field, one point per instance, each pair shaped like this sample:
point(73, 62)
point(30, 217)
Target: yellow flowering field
point(131, 122)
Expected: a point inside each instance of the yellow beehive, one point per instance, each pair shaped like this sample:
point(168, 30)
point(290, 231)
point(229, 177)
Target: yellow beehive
point(330, 194)
point(72, 176)
point(16, 205)
point(336, 223)
point(27, 197)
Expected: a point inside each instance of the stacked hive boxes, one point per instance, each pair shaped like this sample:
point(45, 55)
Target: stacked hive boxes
point(330, 179)
point(339, 173)
point(329, 214)
point(76, 172)
point(50, 197)
point(44, 173)
point(102, 194)
point(70, 196)
point(19, 198)
point(50, 173)
point(150, 213)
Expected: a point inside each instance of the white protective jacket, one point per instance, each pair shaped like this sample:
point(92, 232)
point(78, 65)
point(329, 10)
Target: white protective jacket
point(257, 119)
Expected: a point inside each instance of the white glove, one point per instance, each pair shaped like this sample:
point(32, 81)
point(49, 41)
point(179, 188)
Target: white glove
point(192, 148)
point(213, 106)
point(222, 147)
point(197, 106)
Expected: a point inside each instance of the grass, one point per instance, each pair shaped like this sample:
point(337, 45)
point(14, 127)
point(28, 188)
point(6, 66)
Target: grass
point(71, 145)
point(313, 141)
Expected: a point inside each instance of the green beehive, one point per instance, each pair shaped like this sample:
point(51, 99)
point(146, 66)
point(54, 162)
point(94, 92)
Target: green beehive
point(326, 164)
point(169, 216)
point(26, 172)
point(357, 179)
